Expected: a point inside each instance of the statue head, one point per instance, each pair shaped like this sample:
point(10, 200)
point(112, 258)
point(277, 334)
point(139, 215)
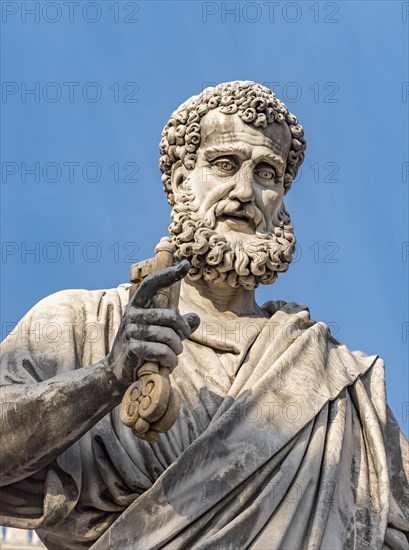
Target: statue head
point(228, 156)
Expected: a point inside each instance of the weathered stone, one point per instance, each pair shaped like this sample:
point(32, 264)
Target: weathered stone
point(283, 438)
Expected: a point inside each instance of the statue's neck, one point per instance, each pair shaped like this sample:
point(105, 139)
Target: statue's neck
point(216, 300)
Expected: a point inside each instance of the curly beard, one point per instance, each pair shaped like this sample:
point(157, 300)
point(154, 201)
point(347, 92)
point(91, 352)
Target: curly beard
point(221, 259)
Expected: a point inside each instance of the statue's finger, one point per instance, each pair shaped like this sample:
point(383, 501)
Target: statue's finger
point(158, 280)
point(193, 320)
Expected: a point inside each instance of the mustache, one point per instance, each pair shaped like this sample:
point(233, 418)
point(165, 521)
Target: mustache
point(234, 207)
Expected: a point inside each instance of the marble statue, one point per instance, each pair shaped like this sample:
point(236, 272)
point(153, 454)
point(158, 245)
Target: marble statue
point(247, 425)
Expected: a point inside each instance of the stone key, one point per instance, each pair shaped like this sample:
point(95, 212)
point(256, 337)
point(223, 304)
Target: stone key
point(151, 405)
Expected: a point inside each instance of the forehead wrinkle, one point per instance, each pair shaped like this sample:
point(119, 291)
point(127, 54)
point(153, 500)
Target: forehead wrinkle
point(228, 138)
point(229, 131)
point(245, 150)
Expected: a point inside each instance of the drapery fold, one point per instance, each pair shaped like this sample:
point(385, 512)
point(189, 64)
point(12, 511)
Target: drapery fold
point(295, 449)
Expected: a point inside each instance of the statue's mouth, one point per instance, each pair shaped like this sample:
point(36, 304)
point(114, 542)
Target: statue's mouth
point(239, 220)
point(238, 216)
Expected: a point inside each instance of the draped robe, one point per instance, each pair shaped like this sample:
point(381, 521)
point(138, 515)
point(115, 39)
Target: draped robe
point(284, 440)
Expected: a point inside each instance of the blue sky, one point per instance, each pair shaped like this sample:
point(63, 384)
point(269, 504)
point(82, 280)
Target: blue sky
point(105, 78)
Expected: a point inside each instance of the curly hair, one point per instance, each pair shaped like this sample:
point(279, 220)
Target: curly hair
point(255, 104)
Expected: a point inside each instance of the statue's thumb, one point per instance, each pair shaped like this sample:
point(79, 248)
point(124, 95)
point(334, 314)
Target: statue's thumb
point(192, 320)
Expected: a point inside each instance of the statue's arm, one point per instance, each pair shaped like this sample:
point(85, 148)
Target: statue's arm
point(42, 418)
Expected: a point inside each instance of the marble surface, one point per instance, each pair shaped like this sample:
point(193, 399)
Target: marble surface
point(283, 439)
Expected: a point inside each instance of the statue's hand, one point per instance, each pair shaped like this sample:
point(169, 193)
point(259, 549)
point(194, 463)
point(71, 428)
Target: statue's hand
point(150, 334)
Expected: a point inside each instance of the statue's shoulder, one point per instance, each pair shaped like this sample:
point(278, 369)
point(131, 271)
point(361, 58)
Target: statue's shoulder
point(72, 304)
point(62, 332)
point(299, 313)
point(273, 306)
point(79, 297)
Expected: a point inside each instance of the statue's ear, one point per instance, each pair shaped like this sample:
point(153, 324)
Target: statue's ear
point(178, 176)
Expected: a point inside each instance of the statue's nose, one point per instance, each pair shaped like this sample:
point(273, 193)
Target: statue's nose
point(243, 189)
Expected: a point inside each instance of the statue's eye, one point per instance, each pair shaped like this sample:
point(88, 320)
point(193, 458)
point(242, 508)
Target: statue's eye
point(265, 172)
point(225, 165)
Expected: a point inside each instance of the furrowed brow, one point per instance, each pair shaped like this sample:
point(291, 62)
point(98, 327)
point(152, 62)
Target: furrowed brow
point(228, 149)
point(275, 160)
